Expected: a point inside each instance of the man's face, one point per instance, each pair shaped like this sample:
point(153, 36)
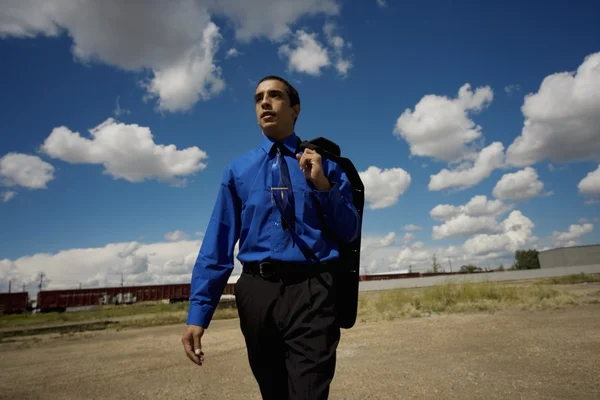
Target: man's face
point(273, 111)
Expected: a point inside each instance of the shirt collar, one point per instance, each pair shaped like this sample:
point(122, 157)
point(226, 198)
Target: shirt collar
point(289, 142)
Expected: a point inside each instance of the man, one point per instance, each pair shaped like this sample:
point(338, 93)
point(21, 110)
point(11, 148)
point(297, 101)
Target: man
point(285, 299)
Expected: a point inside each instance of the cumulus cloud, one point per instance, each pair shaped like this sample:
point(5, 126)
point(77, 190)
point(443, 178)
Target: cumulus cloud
point(477, 216)
point(516, 233)
point(384, 187)
point(126, 152)
point(519, 186)
point(469, 174)
point(140, 263)
point(270, 18)
point(562, 120)
point(31, 172)
point(571, 237)
point(412, 227)
point(233, 52)
point(175, 236)
point(176, 42)
point(306, 54)
point(478, 206)
point(440, 127)
point(370, 243)
point(342, 64)
point(465, 225)
point(590, 185)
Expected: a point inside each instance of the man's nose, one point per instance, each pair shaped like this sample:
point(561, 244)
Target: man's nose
point(265, 104)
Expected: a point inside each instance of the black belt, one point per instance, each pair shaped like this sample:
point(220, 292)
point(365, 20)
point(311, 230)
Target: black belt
point(286, 270)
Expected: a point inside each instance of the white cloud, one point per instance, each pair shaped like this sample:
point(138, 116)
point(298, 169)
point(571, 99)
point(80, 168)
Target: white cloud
point(126, 152)
point(477, 216)
point(233, 52)
point(119, 111)
point(510, 89)
point(369, 244)
point(412, 227)
point(465, 225)
point(384, 187)
point(140, 263)
point(408, 237)
point(590, 185)
point(176, 41)
point(306, 55)
point(8, 195)
point(516, 234)
point(31, 172)
point(469, 174)
point(175, 236)
point(571, 237)
point(270, 18)
point(562, 120)
point(478, 206)
point(342, 64)
point(381, 3)
point(439, 126)
point(519, 186)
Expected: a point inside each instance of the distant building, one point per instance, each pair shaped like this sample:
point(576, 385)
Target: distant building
point(570, 256)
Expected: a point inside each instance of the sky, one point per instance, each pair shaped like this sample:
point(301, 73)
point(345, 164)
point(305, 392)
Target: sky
point(475, 127)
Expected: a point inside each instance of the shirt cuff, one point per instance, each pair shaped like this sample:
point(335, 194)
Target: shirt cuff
point(329, 198)
point(200, 315)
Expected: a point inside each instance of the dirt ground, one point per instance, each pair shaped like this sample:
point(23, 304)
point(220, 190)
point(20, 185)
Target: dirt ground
point(552, 354)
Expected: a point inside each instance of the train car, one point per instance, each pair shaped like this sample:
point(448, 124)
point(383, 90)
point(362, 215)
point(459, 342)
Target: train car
point(14, 303)
point(390, 275)
point(60, 300)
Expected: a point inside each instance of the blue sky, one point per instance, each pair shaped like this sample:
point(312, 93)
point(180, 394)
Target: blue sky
point(64, 73)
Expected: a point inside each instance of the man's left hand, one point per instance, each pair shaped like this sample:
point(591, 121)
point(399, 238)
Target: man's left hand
point(312, 166)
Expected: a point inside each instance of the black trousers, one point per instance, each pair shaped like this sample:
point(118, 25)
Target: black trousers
point(291, 334)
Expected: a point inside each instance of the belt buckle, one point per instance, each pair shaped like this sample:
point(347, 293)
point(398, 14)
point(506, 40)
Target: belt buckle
point(263, 270)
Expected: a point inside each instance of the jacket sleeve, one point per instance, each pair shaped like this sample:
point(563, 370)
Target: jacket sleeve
point(338, 210)
point(215, 260)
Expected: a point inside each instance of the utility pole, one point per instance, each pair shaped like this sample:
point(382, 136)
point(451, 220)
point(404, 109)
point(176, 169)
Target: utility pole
point(450, 261)
point(9, 285)
point(79, 285)
point(23, 287)
point(42, 275)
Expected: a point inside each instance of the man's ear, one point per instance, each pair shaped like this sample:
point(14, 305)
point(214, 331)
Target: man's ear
point(296, 109)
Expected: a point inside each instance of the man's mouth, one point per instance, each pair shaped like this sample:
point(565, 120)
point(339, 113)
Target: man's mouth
point(267, 114)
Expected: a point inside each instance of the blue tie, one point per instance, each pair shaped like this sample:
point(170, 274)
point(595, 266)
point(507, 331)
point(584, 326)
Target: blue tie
point(282, 190)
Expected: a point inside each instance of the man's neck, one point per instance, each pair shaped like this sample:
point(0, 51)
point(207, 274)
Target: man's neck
point(279, 136)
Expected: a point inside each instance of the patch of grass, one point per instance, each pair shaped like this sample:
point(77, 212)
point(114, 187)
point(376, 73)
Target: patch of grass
point(570, 279)
point(102, 313)
point(148, 310)
point(463, 297)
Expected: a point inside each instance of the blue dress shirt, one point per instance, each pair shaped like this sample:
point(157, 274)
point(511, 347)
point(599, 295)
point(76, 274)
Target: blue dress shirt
point(245, 211)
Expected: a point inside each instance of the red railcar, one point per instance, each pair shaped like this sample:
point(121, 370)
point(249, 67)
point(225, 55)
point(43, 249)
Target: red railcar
point(60, 300)
point(11, 303)
point(391, 275)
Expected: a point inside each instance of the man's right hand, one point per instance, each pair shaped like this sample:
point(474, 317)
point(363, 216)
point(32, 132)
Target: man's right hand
point(191, 340)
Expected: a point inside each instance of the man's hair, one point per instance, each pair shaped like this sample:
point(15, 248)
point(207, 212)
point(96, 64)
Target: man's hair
point(291, 91)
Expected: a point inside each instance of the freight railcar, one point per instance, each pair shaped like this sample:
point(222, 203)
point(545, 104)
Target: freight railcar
point(60, 300)
point(14, 303)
